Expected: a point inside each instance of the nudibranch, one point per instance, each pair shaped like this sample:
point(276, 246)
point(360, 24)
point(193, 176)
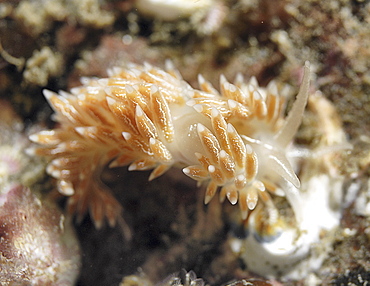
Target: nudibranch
point(236, 139)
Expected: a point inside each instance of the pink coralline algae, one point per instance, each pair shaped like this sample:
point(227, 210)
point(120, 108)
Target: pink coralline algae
point(37, 245)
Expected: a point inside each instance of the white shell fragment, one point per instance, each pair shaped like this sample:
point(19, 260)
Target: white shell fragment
point(171, 9)
point(295, 251)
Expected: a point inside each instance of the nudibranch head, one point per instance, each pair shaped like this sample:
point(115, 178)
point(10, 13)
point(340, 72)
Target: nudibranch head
point(147, 118)
point(245, 153)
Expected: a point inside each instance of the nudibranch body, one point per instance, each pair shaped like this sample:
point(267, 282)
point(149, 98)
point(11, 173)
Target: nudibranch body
point(237, 139)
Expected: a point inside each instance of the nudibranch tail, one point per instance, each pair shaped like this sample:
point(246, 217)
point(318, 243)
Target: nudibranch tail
point(147, 118)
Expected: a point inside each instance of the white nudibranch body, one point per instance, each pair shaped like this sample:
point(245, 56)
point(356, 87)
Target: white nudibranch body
point(147, 118)
point(236, 140)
